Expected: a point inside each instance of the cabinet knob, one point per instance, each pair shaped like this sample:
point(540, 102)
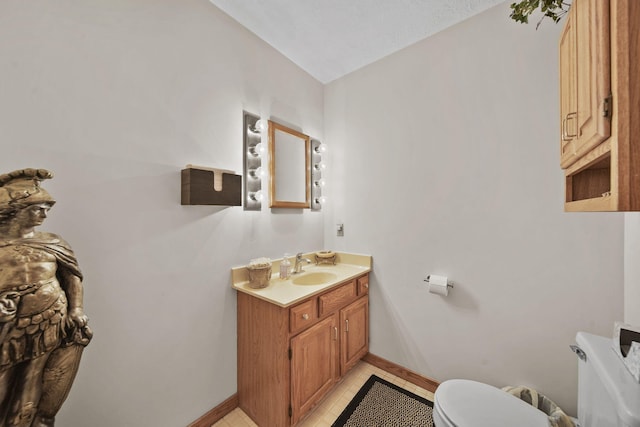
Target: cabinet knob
point(305, 316)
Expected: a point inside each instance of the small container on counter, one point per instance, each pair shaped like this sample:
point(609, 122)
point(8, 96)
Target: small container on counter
point(285, 267)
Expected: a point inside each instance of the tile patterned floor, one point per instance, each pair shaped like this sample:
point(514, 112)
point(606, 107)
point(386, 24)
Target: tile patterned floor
point(334, 403)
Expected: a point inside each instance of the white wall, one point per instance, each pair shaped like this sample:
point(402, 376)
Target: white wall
point(116, 97)
point(632, 268)
point(445, 161)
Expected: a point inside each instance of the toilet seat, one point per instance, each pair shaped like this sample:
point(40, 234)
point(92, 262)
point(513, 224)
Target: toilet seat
point(466, 403)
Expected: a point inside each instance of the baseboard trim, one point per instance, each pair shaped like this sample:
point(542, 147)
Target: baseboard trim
point(401, 372)
point(220, 411)
point(217, 413)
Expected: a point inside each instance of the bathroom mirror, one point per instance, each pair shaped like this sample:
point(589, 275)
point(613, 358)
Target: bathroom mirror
point(289, 153)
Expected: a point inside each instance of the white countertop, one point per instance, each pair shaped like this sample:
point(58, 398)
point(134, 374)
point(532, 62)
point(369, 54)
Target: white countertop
point(285, 293)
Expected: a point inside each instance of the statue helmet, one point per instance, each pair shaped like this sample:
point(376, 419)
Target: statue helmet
point(22, 187)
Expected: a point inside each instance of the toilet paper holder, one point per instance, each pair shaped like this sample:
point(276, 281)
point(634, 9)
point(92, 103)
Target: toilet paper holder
point(449, 285)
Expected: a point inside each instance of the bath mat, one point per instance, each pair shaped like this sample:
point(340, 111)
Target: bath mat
point(382, 404)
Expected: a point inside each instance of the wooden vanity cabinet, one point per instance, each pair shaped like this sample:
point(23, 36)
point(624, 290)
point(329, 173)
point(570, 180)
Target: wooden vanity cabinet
point(599, 105)
point(290, 357)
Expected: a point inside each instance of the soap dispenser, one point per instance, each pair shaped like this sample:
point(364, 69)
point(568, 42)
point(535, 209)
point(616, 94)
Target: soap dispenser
point(285, 267)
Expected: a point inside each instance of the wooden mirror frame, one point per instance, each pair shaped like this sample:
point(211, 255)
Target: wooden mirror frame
point(295, 167)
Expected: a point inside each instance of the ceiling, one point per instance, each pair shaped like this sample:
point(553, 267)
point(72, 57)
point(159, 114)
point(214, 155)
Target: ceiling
point(331, 38)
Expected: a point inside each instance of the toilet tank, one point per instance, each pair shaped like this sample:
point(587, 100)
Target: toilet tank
point(608, 396)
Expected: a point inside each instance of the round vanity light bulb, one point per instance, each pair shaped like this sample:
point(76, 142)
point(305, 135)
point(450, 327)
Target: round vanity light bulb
point(261, 126)
point(257, 150)
point(320, 166)
point(321, 148)
point(256, 196)
point(320, 183)
point(257, 172)
point(321, 200)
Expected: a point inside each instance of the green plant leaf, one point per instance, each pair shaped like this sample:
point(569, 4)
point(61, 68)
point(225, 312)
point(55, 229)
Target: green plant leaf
point(553, 9)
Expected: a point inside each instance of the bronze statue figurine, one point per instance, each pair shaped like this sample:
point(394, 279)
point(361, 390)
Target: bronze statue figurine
point(43, 328)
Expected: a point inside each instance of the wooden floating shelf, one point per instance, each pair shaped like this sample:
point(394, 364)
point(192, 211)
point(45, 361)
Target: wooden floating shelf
point(205, 186)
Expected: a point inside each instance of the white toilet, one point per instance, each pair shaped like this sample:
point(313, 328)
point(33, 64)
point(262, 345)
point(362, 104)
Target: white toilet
point(608, 396)
point(462, 403)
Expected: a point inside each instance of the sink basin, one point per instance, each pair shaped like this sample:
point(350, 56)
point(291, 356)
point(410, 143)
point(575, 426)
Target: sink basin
point(315, 278)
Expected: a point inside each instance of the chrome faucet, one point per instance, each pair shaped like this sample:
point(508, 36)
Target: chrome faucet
point(297, 268)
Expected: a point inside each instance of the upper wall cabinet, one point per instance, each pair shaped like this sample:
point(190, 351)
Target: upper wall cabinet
point(585, 79)
point(600, 105)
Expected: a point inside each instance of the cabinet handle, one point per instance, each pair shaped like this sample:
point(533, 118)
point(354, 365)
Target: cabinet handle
point(346, 326)
point(305, 316)
point(567, 135)
point(335, 333)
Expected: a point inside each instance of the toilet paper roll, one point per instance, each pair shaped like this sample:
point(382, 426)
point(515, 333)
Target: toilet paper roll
point(438, 285)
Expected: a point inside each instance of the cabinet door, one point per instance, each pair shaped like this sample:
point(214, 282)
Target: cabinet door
point(313, 365)
point(568, 89)
point(585, 79)
point(354, 320)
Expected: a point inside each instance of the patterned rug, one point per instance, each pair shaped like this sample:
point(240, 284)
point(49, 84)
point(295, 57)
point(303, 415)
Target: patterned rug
point(382, 404)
